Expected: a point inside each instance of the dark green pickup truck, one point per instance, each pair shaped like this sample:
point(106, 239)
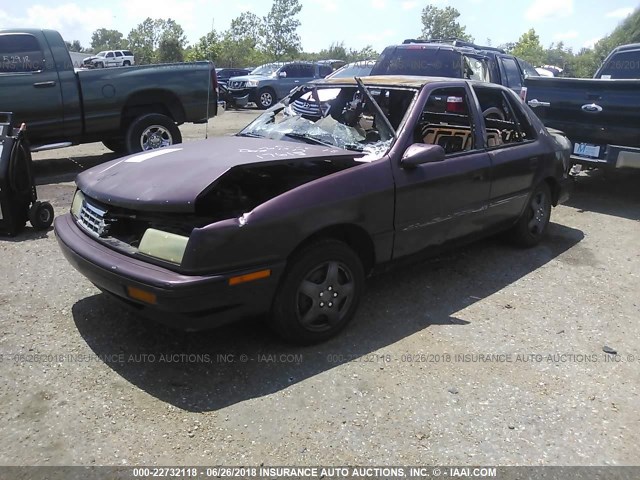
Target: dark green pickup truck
point(129, 109)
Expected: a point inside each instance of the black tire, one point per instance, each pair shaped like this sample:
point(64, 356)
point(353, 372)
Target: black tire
point(126, 63)
point(266, 98)
point(319, 293)
point(116, 145)
point(99, 65)
point(41, 215)
point(151, 131)
point(534, 222)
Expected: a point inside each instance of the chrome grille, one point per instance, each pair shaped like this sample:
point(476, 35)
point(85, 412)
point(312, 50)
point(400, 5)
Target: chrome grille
point(91, 218)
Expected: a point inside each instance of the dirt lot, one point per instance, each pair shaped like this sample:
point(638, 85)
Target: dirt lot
point(487, 355)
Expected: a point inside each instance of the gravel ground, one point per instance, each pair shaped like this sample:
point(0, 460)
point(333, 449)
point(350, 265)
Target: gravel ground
point(486, 355)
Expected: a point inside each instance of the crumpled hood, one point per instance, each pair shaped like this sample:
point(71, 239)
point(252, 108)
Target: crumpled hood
point(170, 179)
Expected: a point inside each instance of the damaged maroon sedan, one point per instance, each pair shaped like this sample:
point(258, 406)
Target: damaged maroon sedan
point(290, 215)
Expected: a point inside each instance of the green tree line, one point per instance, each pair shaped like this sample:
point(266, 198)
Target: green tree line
point(253, 40)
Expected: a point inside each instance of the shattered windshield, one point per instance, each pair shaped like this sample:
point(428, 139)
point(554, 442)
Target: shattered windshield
point(346, 117)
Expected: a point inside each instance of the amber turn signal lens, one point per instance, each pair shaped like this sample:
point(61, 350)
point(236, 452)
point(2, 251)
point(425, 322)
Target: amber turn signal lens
point(249, 277)
point(142, 295)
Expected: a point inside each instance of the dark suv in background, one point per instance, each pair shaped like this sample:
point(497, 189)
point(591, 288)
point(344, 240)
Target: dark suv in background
point(224, 74)
point(268, 83)
point(454, 58)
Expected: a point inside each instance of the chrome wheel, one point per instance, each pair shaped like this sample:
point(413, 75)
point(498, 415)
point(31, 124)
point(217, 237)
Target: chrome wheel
point(266, 99)
point(155, 136)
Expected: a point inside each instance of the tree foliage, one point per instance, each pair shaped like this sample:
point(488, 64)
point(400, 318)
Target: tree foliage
point(279, 30)
point(442, 23)
point(74, 46)
point(104, 39)
point(529, 48)
point(146, 39)
point(251, 40)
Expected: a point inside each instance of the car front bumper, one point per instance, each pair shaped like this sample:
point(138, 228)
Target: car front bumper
point(185, 302)
point(241, 97)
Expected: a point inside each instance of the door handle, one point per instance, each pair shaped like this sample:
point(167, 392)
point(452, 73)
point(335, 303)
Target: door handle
point(535, 103)
point(45, 84)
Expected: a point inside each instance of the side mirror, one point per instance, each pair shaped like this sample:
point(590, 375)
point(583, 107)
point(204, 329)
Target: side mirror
point(420, 153)
point(282, 74)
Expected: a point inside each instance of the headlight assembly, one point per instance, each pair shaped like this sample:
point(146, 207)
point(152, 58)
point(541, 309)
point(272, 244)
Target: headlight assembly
point(76, 205)
point(163, 245)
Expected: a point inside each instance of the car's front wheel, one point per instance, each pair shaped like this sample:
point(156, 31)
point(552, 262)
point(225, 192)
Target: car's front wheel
point(152, 131)
point(319, 293)
point(533, 223)
point(266, 98)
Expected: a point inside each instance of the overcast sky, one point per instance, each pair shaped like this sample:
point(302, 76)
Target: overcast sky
point(357, 23)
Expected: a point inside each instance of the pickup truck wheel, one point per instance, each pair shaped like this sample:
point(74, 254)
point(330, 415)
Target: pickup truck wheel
point(99, 65)
point(152, 131)
point(533, 223)
point(266, 98)
point(319, 293)
point(116, 145)
point(126, 63)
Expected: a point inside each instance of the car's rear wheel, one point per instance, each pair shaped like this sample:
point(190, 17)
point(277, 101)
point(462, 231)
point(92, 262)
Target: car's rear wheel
point(319, 293)
point(126, 63)
point(266, 98)
point(534, 222)
point(152, 131)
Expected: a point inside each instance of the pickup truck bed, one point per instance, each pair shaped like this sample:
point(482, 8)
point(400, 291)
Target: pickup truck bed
point(600, 117)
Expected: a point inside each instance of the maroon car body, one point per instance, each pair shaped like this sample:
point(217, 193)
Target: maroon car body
point(275, 220)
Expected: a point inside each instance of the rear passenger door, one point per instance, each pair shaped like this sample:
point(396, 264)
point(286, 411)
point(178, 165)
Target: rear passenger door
point(440, 201)
point(511, 142)
point(118, 59)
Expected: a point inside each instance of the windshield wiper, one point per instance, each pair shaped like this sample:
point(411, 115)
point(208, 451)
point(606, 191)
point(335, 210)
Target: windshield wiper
point(307, 139)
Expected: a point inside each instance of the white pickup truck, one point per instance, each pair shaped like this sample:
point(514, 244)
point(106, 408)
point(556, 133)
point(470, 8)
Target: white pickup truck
point(110, 58)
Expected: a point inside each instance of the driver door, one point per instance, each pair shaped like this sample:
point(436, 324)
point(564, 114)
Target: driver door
point(441, 201)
